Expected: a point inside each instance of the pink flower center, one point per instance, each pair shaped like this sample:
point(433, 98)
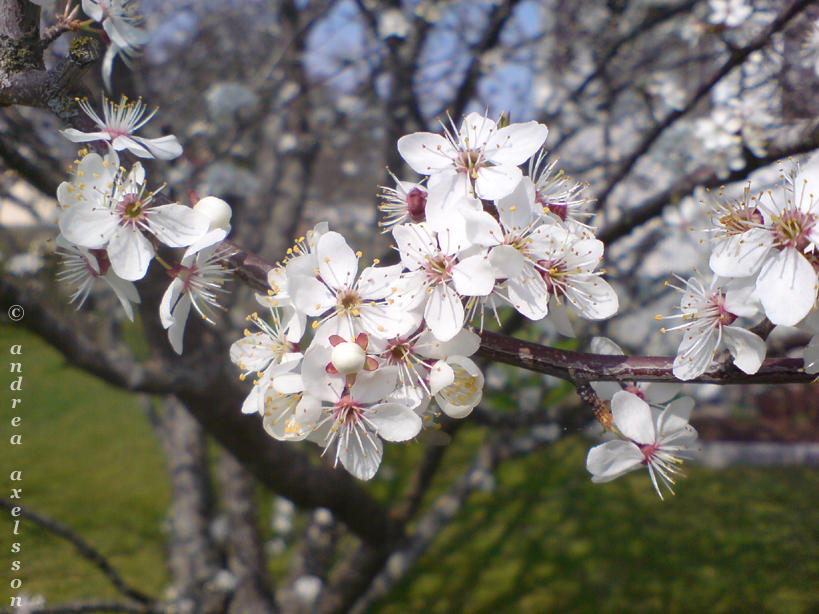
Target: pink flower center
point(115, 132)
point(185, 273)
point(648, 450)
point(633, 389)
point(417, 204)
point(346, 411)
point(552, 272)
point(561, 211)
point(793, 227)
point(726, 318)
point(741, 219)
point(439, 268)
point(130, 207)
point(348, 301)
point(470, 161)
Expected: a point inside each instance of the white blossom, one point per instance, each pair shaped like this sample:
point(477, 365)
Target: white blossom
point(106, 208)
point(197, 282)
point(82, 267)
point(479, 159)
point(351, 422)
point(648, 437)
point(117, 126)
point(708, 316)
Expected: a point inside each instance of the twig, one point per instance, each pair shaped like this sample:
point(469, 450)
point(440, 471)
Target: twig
point(738, 56)
point(85, 550)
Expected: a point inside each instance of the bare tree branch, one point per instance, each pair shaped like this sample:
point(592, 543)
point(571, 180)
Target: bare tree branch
point(738, 56)
point(85, 550)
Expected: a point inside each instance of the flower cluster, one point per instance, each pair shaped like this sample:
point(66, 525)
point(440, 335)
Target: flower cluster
point(764, 260)
point(384, 342)
point(111, 226)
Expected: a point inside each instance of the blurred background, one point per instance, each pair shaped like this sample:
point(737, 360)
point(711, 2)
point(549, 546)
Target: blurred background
point(145, 488)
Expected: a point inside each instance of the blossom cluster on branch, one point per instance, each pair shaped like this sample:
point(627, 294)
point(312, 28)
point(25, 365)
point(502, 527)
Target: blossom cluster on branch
point(385, 343)
point(349, 356)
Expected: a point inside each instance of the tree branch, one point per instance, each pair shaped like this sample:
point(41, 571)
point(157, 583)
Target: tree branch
point(738, 56)
point(580, 366)
point(84, 549)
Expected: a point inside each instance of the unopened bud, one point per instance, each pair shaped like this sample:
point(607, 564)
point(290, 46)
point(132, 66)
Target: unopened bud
point(348, 358)
point(216, 210)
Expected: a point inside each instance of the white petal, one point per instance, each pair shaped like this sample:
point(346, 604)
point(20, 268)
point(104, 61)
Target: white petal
point(529, 295)
point(176, 331)
point(508, 262)
point(786, 286)
point(593, 297)
point(465, 343)
point(338, 263)
point(476, 130)
point(495, 182)
point(444, 312)
point(741, 298)
point(93, 10)
point(126, 292)
point(559, 317)
point(747, 348)
point(90, 227)
point(657, 392)
point(516, 143)
point(310, 296)
point(516, 211)
point(162, 148)
point(612, 459)
point(394, 422)
point(604, 345)
point(131, 144)
point(440, 376)
point(377, 282)
point(674, 417)
point(473, 276)
point(130, 253)
point(427, 153)
point(584, 255)
point(169, 301)
point(362, 464)
point(632, 417)
point(696, 352)
point(741, 255)
point(176, 225)
point(374, 386)
point(386, 321)
point(75, 136)
point(415, 244)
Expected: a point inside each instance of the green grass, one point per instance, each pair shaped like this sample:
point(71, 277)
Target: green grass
point(90, 461)
point(545, 540)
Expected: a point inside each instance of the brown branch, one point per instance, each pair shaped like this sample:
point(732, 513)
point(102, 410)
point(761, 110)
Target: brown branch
point(84, 549)
point(84, 352)
point(54, 89)
point(581, 366)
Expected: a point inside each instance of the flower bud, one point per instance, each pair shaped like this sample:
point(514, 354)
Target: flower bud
point(348, 358)
point(216, 210)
